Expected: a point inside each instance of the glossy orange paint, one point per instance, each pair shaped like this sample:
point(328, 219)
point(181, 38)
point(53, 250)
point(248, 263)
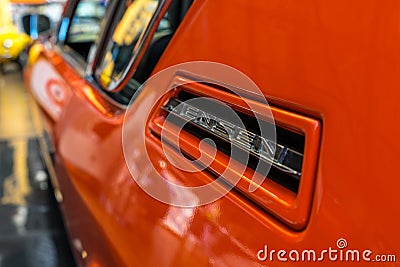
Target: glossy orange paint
point(337, 62)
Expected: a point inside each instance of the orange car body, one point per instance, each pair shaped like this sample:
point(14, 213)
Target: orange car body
point(335, 64)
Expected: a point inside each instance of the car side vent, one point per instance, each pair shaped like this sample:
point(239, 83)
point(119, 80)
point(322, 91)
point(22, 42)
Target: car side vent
point(286, 190)
point(286, 163)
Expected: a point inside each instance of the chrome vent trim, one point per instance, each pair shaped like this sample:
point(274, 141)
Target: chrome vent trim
point(257, 145)
point(286, 161)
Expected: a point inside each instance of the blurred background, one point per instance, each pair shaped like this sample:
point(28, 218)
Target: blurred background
point(31, 228)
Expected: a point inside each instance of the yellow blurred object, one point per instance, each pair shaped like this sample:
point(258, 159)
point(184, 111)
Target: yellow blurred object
point(12, 42)
point(5, 14)
point(136, 17)
point(132, 25)
point(28, 2)
point(108, 69)
point(34, 53)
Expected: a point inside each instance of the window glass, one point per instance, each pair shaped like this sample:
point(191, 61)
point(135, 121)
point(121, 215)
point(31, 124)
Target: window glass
point(85, 25)
point(124, 45)
point(126, 39)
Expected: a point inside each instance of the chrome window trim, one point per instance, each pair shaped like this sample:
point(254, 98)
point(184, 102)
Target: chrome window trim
point(87, 70)
point(134, 58)
point(73, 58)
point(81, 71)
point(76, 60)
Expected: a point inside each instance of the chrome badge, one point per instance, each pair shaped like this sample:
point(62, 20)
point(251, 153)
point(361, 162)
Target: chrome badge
point(279, 156)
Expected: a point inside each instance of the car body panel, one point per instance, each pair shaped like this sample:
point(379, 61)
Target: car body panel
point(337, 62)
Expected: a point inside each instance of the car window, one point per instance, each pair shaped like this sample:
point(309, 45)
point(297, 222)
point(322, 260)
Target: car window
point(126, 39)
point(85, 26)
point(125, 44)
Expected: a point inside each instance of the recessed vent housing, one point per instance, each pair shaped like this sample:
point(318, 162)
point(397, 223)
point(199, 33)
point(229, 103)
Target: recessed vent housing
point(287, 190)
